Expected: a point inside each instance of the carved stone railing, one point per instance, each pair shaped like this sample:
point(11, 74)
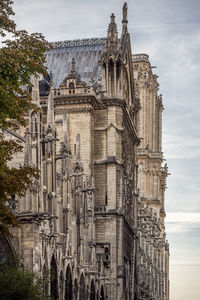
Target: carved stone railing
point(143, 151)
point(100, 208)
point(156, 154)
point(147, 151)
point(140, 57)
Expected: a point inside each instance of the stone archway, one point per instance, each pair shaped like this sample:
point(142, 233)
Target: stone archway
point(92, 291)
point(68, 284)
point(82, 288)
point(7, 251)
point(54, 279)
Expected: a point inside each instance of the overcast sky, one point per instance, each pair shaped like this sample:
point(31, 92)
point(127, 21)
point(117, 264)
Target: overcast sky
point(169, 31)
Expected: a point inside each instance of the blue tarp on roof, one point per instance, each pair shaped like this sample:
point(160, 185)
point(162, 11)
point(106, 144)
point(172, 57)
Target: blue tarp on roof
point(86, 53)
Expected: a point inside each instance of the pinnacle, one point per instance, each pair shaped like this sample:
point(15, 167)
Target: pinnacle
point(51, 79)
point(112, 27)
point(73, 65)
point(112, 18)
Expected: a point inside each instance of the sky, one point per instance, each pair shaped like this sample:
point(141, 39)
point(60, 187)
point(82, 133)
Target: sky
point(169, 31)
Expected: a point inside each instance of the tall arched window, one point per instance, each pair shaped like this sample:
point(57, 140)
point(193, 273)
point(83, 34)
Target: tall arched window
point(92, 291)
point(102, 294)
point(71, 85)
point(75, 289)
point(54, 279)
point(71, 88)
point(61, 283)
point(45, 279)
point(68, 284)
point(82, 288)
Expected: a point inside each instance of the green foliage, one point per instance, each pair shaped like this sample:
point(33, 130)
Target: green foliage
point(20, 58)
point(13, 181)
point(20, 283)
point(6, 12)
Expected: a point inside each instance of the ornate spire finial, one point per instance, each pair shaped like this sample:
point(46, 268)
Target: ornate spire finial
point(125, 8)
point(112, 28)
point(51, 79)
point(73, 74)
point(91, 80)
point(112, 18)
point(112, 38)
point(125, 20)
point(50, 104)
point(73, 65)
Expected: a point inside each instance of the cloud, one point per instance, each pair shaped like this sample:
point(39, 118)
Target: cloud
point(183, 221)
point(174, 146)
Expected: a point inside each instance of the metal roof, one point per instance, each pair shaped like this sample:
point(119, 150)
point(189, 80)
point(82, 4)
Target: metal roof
point(86, 52)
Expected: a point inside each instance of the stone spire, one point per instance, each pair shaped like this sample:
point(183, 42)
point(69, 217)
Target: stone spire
point(35, 91)
point(112, 41)
point(65, 129)
point(27, 148)
point(124, 20)
point(51, 79)
point(50, 105)
point(73, 69)
point(73, 74)
point(65, 147)
point(78, 146)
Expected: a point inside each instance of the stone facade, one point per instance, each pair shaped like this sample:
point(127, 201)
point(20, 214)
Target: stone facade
point(153, 249)
point(93, 224)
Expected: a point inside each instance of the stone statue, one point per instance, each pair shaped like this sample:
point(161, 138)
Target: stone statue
point(125, 8)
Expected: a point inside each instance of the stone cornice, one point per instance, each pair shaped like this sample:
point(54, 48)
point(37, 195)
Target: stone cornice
point(144, 152)
point(109, 160)
point(132, 127)
point(33, 217)
point(113, 102)
point(108, 127)
point(76, 99)
point(155, 201)
point(122, 103)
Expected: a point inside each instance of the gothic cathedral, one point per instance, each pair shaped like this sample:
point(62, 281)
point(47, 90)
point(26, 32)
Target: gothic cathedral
point(93, 225)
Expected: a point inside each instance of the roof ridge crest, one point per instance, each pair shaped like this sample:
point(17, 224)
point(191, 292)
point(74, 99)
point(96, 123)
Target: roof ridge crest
point(79, 42)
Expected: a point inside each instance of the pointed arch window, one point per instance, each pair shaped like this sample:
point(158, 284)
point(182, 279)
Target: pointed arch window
point(54, 279)
point(71, 88)
point(92, 291)
point(82, 288)
point(45, 279)
point(75, 292)
point(68, 284)
point(102, 294)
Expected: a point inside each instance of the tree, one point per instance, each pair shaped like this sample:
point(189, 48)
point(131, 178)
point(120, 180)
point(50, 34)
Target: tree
point(18, 282)
point(20, 58)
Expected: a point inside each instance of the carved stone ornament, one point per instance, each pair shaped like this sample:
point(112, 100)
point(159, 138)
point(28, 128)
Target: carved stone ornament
point(77, 167)
point(65, 149)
